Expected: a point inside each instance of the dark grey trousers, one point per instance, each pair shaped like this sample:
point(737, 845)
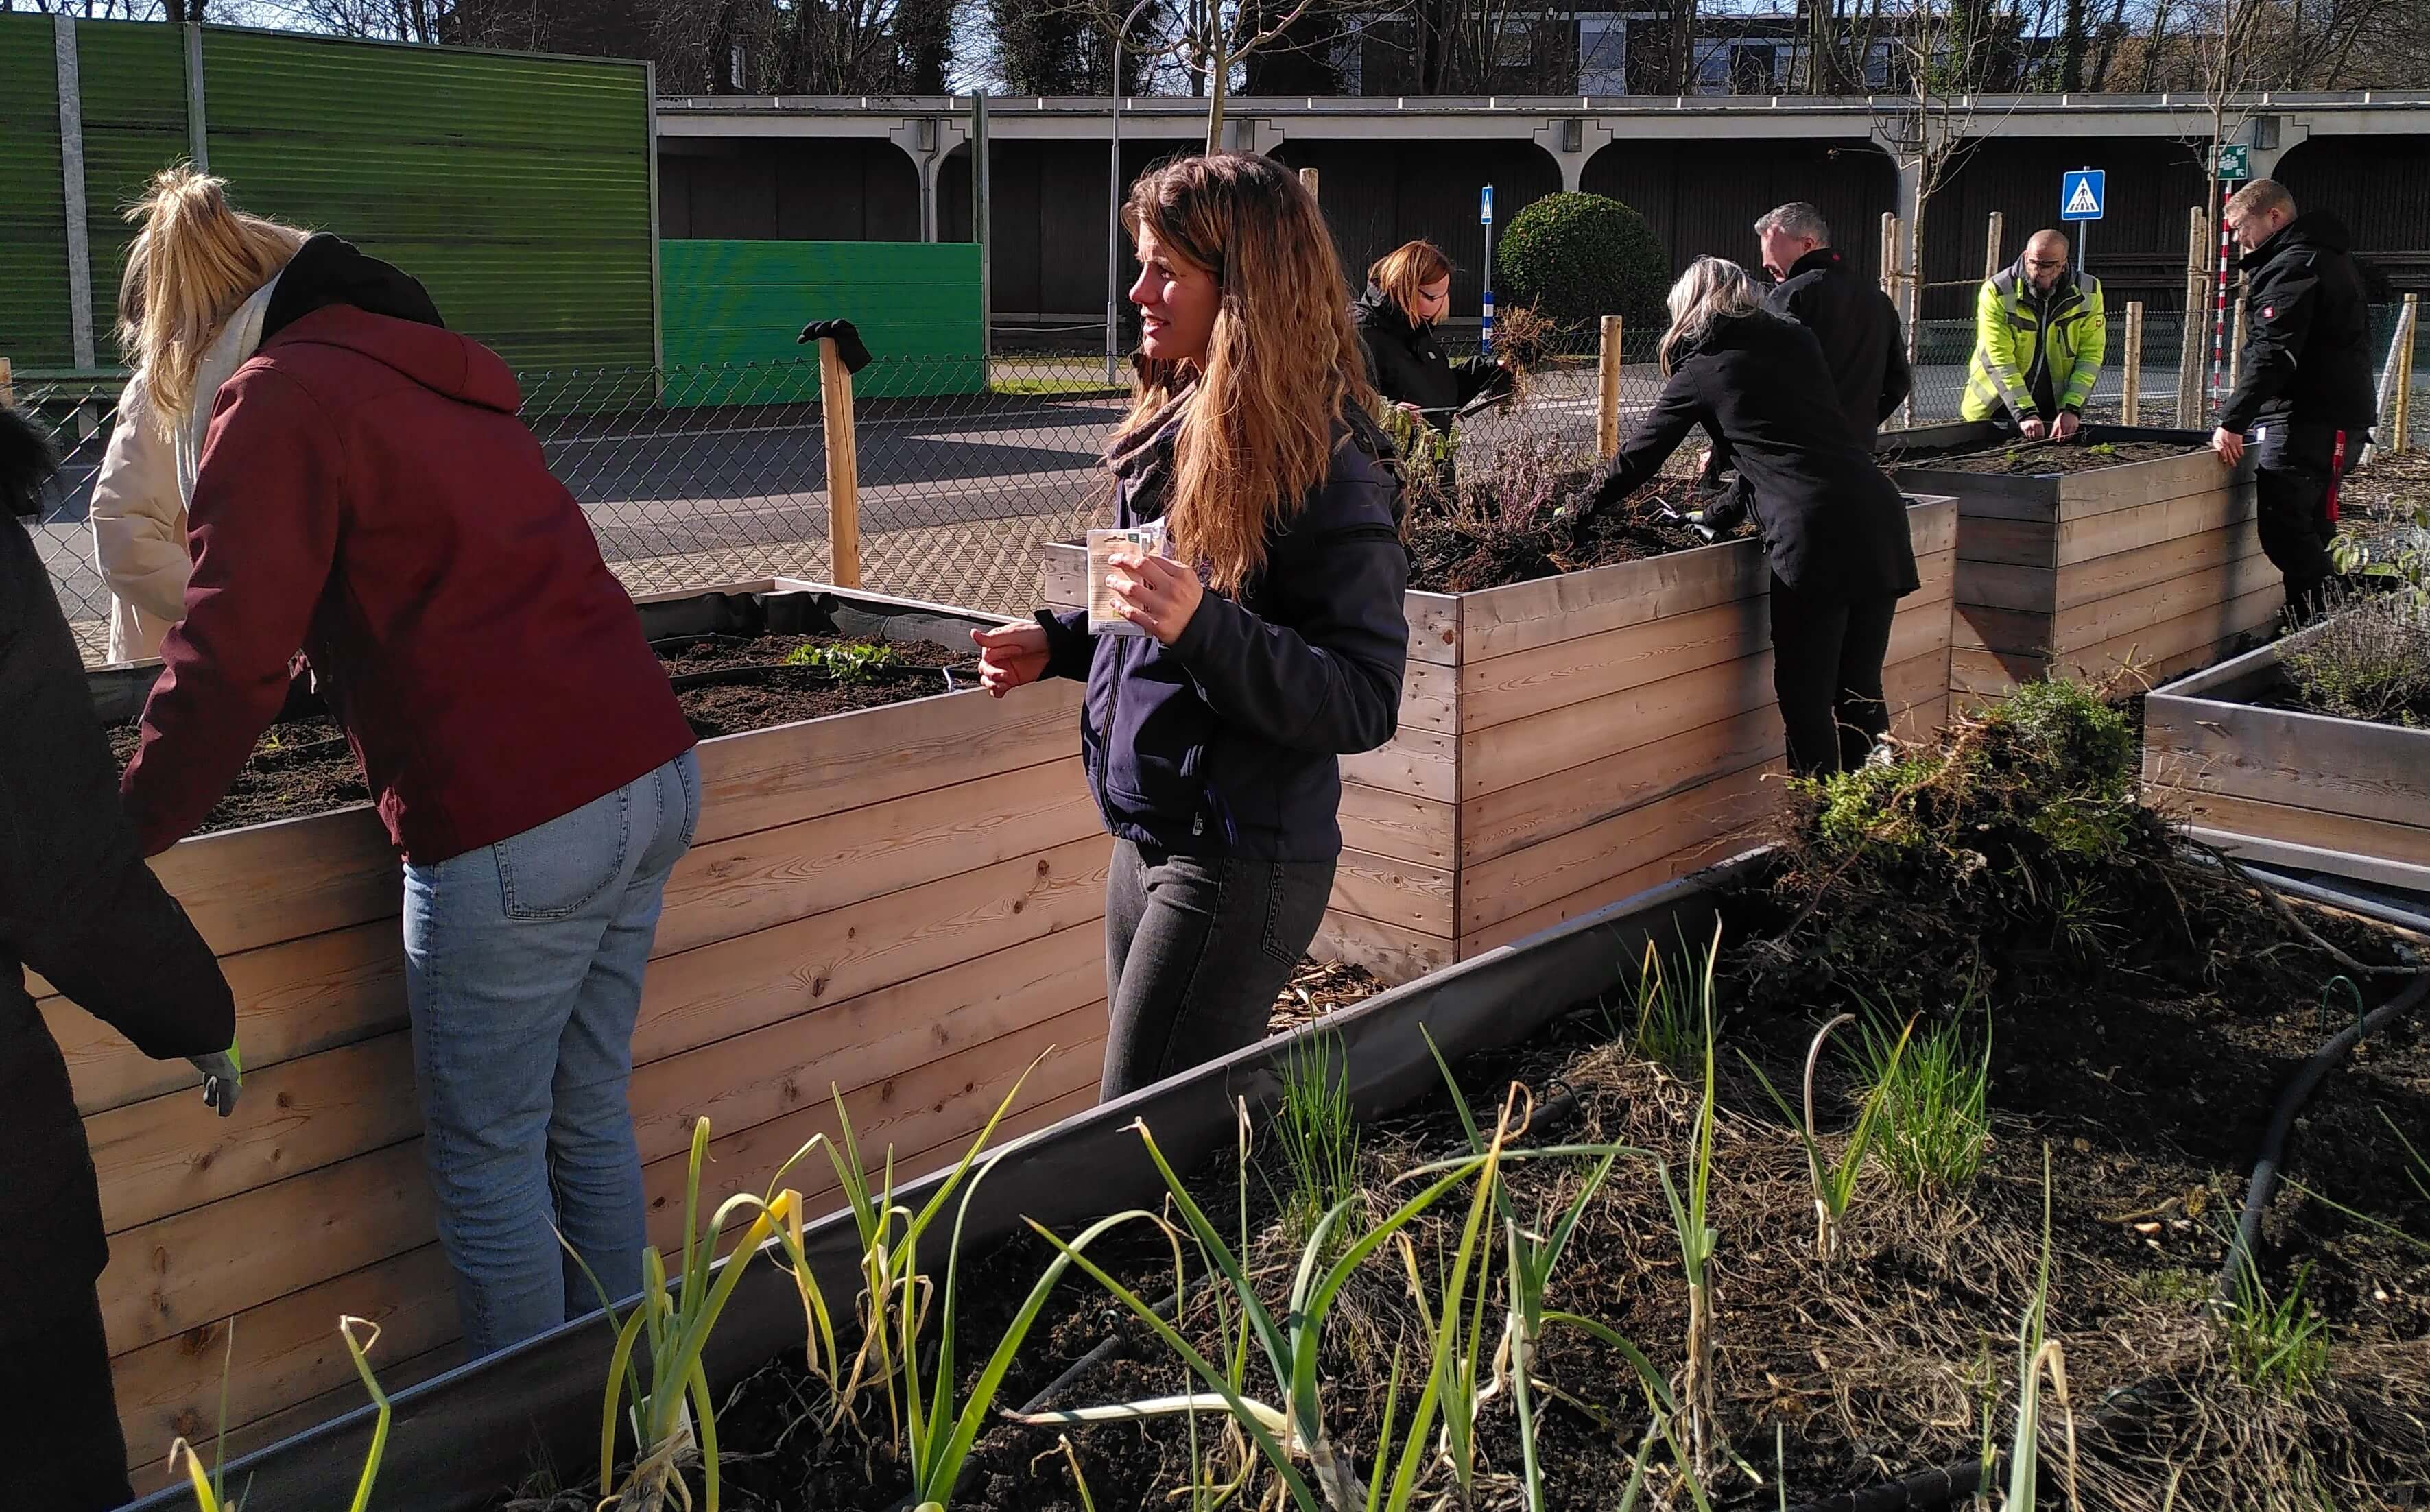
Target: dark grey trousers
point(1196, 949)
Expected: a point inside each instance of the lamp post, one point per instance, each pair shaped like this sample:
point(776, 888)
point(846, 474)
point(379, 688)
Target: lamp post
point(1114, 188)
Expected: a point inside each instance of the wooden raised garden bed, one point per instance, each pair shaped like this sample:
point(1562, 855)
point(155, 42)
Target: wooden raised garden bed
point(901, 901)
point(2276, 784)
point(2069, 568)
point(1568, 742)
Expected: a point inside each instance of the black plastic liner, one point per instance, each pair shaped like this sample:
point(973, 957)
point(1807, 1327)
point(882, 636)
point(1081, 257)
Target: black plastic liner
point(1920, 446)
point(463, 1440)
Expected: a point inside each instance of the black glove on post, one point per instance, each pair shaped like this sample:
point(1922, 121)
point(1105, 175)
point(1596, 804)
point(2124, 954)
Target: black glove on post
point(846, 337)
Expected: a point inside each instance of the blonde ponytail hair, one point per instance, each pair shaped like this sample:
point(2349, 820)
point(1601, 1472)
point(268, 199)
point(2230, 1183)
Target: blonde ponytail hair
point(194, 259)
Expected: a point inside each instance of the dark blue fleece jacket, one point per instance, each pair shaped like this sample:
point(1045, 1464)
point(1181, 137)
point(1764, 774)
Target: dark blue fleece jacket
point(1227, 742)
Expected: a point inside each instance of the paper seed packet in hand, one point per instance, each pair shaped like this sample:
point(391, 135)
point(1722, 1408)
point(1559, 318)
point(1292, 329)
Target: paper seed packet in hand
point(1104, 618)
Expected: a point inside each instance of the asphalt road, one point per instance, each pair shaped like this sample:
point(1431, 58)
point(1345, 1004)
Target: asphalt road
point(686, 482)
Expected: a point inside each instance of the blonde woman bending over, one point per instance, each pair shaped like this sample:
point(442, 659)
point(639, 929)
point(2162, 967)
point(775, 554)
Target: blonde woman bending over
point(216, 269)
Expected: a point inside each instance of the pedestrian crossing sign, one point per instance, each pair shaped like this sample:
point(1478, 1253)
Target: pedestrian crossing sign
point(2080, 194)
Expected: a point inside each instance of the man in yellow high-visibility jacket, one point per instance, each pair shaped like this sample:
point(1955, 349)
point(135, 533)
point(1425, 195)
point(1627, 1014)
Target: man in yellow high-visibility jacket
point(2040, 336)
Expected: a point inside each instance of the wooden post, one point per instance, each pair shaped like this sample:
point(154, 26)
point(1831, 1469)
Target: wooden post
point(2235, 350)
point(2399, 433)
point(1607, 391)
point(7, 385)
point(1307, 181)
point(2189, 346)
point(2130, 394)
point(1992, 237)
point(1889, 255)
point(843, 467)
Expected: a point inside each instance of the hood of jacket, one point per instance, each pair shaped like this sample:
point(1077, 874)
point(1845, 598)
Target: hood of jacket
point(1378, 310)
point(361, 304)
point(327, 270)
point(2317, 230)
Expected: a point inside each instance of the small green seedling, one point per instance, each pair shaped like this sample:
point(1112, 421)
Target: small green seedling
point(208, 1494)
point(1834, 1183)
point(852, 661)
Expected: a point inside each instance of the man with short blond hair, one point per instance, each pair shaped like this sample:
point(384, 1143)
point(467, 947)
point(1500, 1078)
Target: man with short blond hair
point(2307, 399)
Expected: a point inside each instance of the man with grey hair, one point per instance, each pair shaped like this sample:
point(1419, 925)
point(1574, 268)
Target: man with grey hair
point(1854, 321)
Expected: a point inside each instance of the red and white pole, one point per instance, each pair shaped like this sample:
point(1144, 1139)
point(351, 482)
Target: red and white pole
point(2218, 308)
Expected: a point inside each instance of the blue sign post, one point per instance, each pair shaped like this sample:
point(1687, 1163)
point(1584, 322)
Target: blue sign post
point(1485, 218)
point(2081, 196)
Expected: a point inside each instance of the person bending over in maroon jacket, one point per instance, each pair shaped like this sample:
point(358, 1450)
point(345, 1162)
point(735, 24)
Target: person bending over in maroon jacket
point(365, 495)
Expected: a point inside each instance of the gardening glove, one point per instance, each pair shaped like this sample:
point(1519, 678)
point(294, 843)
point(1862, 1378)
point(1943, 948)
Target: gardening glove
point(846, 337)
point(223, 1077)
point(1715, 520)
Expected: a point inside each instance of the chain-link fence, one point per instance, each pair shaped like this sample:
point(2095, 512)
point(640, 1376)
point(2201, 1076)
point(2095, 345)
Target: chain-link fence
point(697, 477)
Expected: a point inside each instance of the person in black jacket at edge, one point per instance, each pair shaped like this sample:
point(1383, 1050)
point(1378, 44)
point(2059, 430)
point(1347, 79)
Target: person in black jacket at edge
point(1834, 525)
point(1853, 321)
point(1274, 634)
point(77, 904)
point(1408, 290)
point(2307, 400)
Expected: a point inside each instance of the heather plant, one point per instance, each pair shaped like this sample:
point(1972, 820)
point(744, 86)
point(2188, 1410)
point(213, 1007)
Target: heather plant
point(2368, 659)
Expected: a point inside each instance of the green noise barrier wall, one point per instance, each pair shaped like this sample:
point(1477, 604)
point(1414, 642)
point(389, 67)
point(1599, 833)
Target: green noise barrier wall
point(517, 186)
point(740, 305)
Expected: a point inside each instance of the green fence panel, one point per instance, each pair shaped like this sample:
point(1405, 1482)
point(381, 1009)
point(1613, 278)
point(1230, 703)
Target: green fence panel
point(516, 187)
point(33, 249)
point(742, 304)
point(133, 81)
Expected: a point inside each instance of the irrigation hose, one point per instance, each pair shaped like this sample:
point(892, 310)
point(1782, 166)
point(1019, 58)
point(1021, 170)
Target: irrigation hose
point(2299, 1091)
point(2370, 907)
point(1922, 1488)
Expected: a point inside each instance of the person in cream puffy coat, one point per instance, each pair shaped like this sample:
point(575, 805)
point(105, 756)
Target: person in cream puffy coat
point(147, 476)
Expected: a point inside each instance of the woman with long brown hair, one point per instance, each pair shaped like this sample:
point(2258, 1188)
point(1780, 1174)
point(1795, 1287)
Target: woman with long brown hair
point(1271, 637)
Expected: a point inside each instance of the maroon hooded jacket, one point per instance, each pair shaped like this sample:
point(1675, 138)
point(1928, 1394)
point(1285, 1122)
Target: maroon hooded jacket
point(367, 495)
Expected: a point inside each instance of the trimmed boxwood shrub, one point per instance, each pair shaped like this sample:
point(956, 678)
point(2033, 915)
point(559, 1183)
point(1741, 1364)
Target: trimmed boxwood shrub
point(1578, 257)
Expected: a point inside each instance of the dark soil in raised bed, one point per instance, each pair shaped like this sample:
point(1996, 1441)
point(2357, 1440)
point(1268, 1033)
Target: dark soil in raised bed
point(303, 765)
point(1512, 519)
point(2150, 1096)
point(2043, 459)
point(2140, 1064)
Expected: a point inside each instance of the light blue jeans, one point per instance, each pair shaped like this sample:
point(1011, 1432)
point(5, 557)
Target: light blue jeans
point(524, 978)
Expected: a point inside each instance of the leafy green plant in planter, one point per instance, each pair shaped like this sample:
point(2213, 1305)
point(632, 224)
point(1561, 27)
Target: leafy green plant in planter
point(853, 662)
point(1578, 257)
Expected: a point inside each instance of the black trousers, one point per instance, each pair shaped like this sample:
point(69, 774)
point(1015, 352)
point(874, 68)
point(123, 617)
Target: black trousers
point(2296, 472)
point(1827, 670)
point(1196, 950)
point(58, 1418)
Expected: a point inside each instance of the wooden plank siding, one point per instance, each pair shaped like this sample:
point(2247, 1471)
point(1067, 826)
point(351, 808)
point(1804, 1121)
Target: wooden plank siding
point(1606, 730)
point(2154, 566)
point(903, 903)
point(2348, 797)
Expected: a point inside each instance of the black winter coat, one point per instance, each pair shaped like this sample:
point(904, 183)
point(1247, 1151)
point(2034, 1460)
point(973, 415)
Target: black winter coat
point(77, 904)
point(2307, 357)
point(1832, 522)
point(1859, 329)
point(1407, 364)
point(1228, 741)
